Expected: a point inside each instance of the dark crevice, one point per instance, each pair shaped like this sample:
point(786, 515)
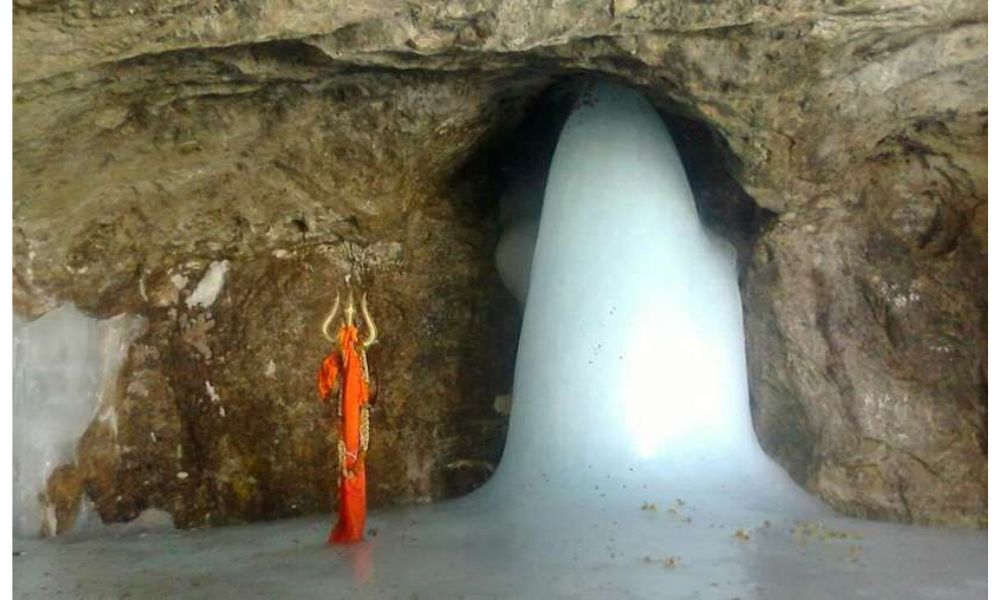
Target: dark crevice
point(502, 181)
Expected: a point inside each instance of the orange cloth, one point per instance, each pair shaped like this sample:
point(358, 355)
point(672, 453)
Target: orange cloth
point(346, 363)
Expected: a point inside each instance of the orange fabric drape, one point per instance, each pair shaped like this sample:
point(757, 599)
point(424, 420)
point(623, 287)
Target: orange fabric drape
point(346, 363)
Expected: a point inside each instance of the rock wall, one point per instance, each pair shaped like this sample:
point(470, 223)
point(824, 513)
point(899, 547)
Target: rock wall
point(219, 419)
point(301, 143)
point(867, 353)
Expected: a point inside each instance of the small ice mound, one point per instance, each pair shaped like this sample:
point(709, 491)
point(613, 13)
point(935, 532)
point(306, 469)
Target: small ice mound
point(513, 257)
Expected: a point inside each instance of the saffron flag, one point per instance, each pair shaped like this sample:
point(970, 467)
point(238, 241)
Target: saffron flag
point(347, 363)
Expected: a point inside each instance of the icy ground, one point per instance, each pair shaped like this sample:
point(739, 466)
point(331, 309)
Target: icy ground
point(597, 548)
point(631, 468)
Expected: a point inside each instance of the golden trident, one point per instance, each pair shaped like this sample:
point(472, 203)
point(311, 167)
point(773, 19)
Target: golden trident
point(349, 318)
point(369, 341)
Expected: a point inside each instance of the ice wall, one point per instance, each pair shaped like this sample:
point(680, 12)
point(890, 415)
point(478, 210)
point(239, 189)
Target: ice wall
point(65, 371)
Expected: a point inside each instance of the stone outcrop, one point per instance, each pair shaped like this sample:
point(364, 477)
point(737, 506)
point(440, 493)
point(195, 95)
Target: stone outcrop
point(867, 352)
point(301, 143)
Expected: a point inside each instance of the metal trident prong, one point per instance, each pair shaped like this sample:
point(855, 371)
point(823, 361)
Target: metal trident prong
point(349, 312)
point(372, 330)
point(349, 308)
point(329, 319)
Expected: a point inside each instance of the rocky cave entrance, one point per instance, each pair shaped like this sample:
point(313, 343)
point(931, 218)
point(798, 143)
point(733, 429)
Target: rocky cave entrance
point(516, 158)
point(513, 162)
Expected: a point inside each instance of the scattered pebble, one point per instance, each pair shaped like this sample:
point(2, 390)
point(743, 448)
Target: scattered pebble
point(804, 531)
point(853, 553)
point(669, 562)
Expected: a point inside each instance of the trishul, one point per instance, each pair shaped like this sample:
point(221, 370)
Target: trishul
point(349, 318)
point(345, 380)
point(349, 322)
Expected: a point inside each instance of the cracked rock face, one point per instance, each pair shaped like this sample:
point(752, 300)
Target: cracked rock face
point(300, 143)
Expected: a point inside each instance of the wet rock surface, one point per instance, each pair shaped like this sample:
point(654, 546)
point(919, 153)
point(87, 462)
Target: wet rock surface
point(302, 143)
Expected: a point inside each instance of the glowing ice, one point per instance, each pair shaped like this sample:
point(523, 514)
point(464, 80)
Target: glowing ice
point(631, 354)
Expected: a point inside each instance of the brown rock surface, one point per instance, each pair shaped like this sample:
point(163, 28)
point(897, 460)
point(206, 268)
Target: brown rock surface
point(867, 352)
point(301, 143)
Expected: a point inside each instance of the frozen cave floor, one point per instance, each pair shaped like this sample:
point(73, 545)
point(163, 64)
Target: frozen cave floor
point(636, 543)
